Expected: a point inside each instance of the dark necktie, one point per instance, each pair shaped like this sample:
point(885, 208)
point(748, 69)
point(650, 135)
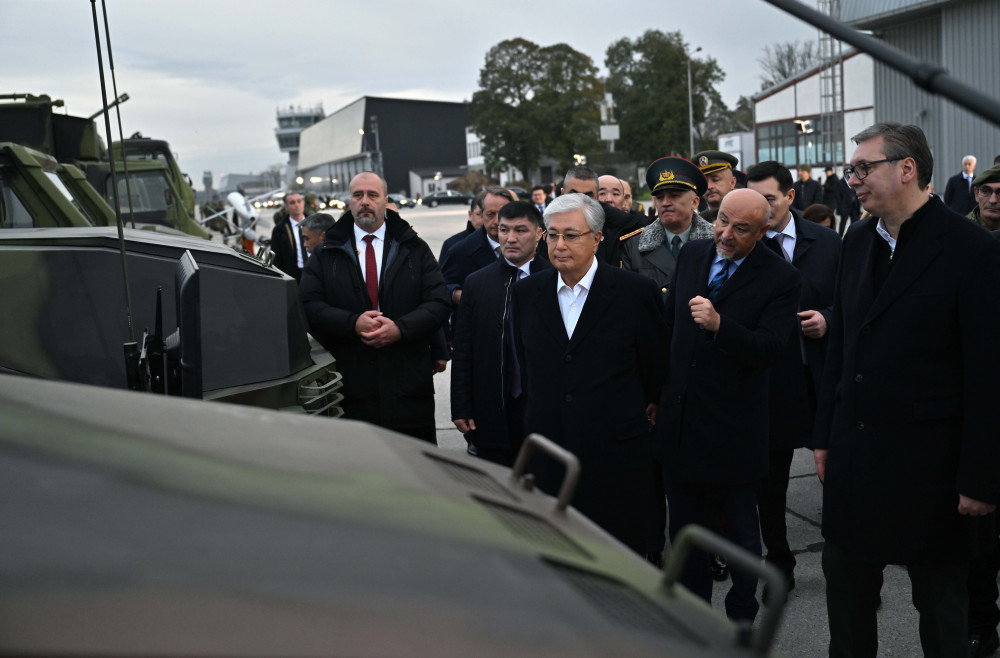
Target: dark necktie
point(675, 246)
point(371, 271)
point(514, 383)
point(719, 280)
point(781, 246)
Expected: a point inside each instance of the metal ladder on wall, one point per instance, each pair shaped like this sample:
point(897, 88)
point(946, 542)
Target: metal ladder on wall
point(831, 91)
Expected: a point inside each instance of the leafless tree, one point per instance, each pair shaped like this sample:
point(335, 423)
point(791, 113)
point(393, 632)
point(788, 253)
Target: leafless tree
point(783, 60)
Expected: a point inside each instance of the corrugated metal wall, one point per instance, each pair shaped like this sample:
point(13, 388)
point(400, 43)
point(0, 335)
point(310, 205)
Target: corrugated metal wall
point(863, 12)
point(896, 97)
point(970, 51)
point(963, 37)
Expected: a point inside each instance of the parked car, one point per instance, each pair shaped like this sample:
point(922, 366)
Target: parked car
point(446, 196)
point(402, 201)
point(522, 194)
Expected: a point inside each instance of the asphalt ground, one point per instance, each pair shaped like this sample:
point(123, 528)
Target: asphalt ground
point(803, 630)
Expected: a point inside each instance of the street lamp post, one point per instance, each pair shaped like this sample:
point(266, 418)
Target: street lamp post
point(691, 107)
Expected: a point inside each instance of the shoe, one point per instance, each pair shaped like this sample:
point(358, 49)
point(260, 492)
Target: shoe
point(980, 646)
point(720, 570)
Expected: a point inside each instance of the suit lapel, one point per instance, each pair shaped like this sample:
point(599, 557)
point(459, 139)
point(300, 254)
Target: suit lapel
point(547, 304)
point(921, 249)
point(662, 260)
point(744, 273)
point(599, 297)
point(803, 241)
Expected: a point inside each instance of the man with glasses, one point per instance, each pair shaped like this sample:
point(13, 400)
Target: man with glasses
point(591, 356)
point(487, 405)
point(906, 434)
point(987, 193)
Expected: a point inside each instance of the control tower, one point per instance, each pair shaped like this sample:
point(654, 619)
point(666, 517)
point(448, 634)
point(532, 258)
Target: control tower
point(291, 121)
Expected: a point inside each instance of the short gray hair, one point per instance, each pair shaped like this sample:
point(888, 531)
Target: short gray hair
point(319, 223)
point(592, 209)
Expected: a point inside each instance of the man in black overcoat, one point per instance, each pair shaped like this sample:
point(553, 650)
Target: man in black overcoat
point(591, 354)
point(814, 251)
point(729, 314)
point(378, 316)
point(908, 431)
point(486, 402)
point(287, 245)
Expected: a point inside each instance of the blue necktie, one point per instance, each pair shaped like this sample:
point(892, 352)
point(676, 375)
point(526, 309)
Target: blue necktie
point(719, 280)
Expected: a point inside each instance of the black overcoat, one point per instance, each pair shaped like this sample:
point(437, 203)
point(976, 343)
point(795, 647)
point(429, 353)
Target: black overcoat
point(390, 386)
point(909, 407)
point(713, 418)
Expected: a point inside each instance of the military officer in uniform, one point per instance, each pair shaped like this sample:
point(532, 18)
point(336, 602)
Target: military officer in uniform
point(677, 185)
point(720, 176)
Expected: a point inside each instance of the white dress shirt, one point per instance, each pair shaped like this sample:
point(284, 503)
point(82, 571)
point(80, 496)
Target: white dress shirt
point(299, 248)
point(788, 241)
point(571, 300)
point(378, 243)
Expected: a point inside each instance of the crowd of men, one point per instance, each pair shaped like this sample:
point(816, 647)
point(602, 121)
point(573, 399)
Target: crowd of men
point(683, 360)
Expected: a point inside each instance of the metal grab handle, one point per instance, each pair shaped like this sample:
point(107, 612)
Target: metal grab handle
point(568, 459)
point(695, 536)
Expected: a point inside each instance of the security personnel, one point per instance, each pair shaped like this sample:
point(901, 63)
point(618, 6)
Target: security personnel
point(718, 167)
point(677, 186)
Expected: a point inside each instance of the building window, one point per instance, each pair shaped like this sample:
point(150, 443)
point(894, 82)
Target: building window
point(796, 142)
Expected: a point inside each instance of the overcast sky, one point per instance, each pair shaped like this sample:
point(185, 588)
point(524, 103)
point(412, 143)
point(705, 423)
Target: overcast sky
point(208, 76)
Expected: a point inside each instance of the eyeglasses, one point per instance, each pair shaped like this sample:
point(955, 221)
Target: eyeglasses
point(985, 191)
point(570, 238)
point(862, 169)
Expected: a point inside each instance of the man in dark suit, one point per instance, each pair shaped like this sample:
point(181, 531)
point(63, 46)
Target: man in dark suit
point(478, 249)
point(908, 424)
point(539, 198)
point(486, 403)
point(958, 192)
point(286, 238)
point(591, 353)
point(814, 250)
point(375, 298)
point(729, 313)
point(807, 190)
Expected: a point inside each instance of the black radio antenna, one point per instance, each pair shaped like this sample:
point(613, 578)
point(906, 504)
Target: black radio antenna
point(114, 178)
point(118, 112)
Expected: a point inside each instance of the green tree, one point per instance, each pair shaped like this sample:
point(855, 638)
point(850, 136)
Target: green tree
point(534, 100)
point(648, 79)
point(502, 111)
point(568, 98)
point(722, 120)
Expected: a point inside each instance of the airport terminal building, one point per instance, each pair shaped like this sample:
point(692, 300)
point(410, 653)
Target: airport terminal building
point(387, 135)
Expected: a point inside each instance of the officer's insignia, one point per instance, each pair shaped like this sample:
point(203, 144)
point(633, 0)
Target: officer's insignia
point(703, 161)
point(666, 175)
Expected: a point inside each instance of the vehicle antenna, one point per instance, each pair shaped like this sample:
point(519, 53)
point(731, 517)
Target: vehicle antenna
point(118, 111)
point(114, 179)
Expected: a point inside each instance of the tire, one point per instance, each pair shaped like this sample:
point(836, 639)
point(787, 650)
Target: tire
point(434, 203)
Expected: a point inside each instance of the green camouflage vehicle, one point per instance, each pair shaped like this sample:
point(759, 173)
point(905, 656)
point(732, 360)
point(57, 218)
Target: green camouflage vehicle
point(153, 526)
point(162, 198)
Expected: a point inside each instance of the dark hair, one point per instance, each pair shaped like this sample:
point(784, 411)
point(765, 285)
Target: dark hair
point(580, 173)
point(548, 186)
point(496, 190)
point(771, 169)
point(817, 212)
point(318, 223)
point(284, 199)
point(996, 161)
point(518, 209)
point(477, 202)
point(901, 141)
point(537, 187)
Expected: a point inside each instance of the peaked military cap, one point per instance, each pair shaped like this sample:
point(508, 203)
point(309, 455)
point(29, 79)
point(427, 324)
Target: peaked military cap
point(675, 173)
point(991, 175)
point(709, 161)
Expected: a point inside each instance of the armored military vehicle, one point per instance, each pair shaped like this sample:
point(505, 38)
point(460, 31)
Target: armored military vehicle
point(162, 198)
point(154, 526)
